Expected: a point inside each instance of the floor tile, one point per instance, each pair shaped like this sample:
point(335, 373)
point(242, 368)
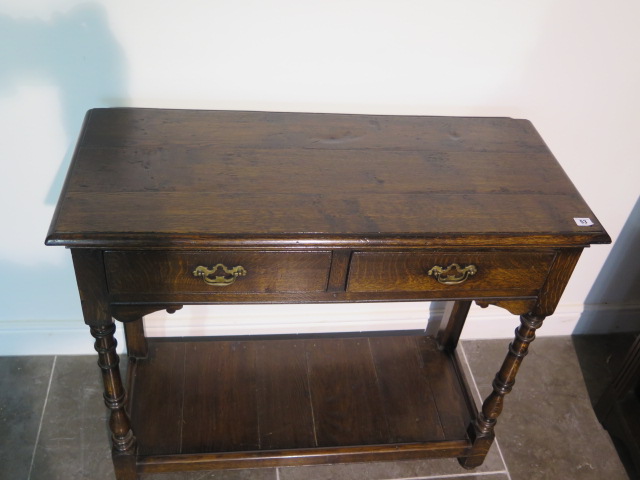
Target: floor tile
point(489, 476)
point(546, 354)
point(74, 441)
point(391, 470)
point(546, 435)
point(548, 428)
point(246, 474)
point(372, 472)
point(23, 389)
point(468, 476)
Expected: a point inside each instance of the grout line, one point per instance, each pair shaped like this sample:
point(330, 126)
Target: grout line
point(44, 407)
point(502, 458)
point(475, 385)
point(439, 477)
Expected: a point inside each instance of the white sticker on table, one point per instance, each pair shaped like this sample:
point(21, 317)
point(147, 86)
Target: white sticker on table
point(583, 222)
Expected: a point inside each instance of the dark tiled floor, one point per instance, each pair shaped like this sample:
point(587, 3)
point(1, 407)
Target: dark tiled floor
point(52, 421)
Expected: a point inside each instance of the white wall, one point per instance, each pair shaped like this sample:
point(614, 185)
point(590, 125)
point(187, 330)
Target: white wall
point(569, 66)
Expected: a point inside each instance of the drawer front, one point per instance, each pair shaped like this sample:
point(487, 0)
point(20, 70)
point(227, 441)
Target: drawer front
point(482, 273)
point(217, 272)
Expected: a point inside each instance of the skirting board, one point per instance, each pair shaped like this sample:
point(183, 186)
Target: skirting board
point(73, 338)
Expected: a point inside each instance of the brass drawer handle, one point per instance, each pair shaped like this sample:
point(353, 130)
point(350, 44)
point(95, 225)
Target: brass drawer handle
point(461, 274)
point(228, 276)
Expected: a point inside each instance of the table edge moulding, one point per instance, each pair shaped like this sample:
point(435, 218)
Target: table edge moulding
point(165, 208)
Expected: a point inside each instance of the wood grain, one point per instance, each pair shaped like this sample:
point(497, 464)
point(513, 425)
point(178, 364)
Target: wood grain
point(388, 271)
point(294, 394)
point(347, 405)
point(557, 280)
point(159, 379)
point(400, 368)
point(285, 416)
point(198, 175)
point(448, 391)
point(220, 404)
point(166, 272)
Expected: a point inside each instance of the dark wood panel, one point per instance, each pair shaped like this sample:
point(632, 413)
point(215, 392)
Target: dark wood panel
point(285, 417)
point(165, 272)
point(160, 169)
point(158, 394)
point(210, 213)
point(346, 401)
point(94, 296)
point(448, 393)
point(380, 272)
point(144, 127)
point(220, 398)
point(407, 398)
point(557, 280)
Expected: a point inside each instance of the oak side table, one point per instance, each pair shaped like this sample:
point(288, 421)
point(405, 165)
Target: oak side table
point(163, 208)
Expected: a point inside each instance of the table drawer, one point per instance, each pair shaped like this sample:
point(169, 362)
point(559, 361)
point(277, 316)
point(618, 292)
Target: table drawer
point(216, 272)
point(459, 273)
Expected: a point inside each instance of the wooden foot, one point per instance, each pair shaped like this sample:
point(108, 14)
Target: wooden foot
point(122, 438)
point(124, 466)
point(481, 430)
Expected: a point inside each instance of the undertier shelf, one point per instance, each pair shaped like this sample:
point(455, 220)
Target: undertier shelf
point(289, 401)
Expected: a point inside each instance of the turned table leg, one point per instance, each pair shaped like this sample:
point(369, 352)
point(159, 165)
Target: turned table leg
point(122, 438)
point(481, 430)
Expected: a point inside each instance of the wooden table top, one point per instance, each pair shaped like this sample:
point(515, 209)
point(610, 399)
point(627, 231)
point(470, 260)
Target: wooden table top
point(167, 178)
